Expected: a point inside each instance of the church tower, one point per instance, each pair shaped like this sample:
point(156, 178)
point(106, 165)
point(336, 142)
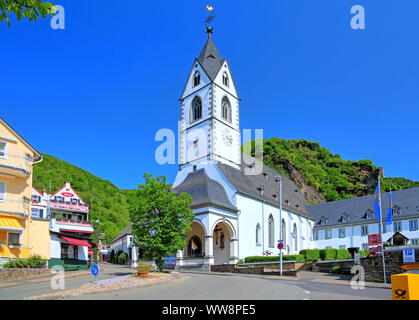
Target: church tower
point(209, 127)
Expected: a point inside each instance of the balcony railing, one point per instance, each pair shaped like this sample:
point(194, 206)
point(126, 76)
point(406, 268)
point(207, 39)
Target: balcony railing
point(16, 163)
point(15, 205)
point(54, 204)
point(72, 221)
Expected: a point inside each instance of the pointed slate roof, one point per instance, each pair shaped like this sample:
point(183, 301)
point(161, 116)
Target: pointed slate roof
point(204, 191)
point(210, 59)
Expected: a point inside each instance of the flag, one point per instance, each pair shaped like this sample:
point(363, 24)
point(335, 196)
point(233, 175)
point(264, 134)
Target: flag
point(377, 205)
point(193, 245)
point(210, 8)
point(389, 219)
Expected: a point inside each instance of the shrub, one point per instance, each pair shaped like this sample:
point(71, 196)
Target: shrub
point(122, 258)
point(336, 269)
point(363, 253)
point(328, 254)
point(144, 267)
point(35, 261)
point(343, 254)
point(311, 255)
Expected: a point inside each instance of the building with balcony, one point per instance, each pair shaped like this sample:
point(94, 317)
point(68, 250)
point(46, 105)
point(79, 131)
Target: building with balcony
point(18, 229)
point(70, 230)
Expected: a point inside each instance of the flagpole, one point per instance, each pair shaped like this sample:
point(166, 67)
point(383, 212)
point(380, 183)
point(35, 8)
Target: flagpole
point(381, 220)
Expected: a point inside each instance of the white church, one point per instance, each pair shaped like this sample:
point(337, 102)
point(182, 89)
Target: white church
point(235, 198)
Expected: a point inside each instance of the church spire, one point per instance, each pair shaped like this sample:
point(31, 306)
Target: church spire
point(210, 58)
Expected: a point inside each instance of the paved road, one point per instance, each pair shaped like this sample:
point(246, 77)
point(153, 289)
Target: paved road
point(22, 289)
point(241, 287)
point(203, 287)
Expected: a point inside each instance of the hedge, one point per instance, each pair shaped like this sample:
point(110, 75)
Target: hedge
point(261, 259)
point(328, 254)
point(35, 262)
point(311, 255)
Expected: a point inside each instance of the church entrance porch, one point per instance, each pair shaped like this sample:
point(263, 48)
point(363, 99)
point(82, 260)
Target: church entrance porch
point(224, 244)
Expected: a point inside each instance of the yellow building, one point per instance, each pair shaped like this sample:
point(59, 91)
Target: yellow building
point(20, 235)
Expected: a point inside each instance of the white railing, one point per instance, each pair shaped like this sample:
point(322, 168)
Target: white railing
point(23, 161)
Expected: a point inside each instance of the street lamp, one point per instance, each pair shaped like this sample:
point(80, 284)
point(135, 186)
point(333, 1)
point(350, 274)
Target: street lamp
point(279, 179)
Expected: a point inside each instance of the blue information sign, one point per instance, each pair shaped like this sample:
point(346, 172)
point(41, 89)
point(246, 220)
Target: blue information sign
point(94, 270)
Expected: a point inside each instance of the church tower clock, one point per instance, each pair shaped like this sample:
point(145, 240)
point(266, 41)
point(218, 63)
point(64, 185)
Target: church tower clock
point(209, 127)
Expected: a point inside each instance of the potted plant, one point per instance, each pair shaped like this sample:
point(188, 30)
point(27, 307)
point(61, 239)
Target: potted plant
point(143, 268)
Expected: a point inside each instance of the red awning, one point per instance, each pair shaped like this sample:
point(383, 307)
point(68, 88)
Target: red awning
point(77, 242)
point(90, 252)
point(75, 231)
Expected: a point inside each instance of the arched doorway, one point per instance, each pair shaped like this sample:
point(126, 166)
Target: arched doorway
point(223, 243)
point(195, 241)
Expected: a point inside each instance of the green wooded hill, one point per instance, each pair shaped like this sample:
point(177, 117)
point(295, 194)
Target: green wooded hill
point(322, 175)
point(107, 202)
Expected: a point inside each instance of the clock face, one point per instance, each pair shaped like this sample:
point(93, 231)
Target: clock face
point(227, 137)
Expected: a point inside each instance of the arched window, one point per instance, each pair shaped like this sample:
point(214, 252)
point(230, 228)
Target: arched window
point(258, 231)
point(196, 110)
point(195, 247)
point(226, 81)
point(226, 109)
point(197, 78)
point(284, 232)
point(295, 236)
point(271, 232)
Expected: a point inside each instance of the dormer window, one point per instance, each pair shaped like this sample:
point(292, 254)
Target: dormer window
point(197, 79)
point(276, 196)
point(226, 109)
point(261, 189)
point(226, 81)
point(368, 214)
point(345, 218)
point(396, 211)
point(323, 221)
point(196, 110)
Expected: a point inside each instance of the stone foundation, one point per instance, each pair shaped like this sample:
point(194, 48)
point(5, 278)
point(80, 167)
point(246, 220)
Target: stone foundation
point(7, 274)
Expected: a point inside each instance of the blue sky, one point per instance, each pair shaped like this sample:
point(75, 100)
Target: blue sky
point(95, 93)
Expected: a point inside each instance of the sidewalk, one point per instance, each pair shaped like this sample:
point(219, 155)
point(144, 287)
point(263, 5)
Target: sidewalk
point(305, 276)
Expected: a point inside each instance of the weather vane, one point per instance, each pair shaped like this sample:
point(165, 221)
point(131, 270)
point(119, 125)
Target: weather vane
point(211, 15)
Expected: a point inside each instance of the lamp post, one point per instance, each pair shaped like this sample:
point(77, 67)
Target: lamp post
point(98, 240)
point(279, 178)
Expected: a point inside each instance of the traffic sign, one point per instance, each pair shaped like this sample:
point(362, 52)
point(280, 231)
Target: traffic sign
point(94, 270)
point(280, 245)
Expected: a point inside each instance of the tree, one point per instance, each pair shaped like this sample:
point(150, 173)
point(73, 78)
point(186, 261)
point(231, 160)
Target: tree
point(160, 219)
point(30, 9)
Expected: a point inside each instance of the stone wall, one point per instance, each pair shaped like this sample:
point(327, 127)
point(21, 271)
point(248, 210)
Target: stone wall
point(289, 268)
point(374, 265)
point(16, 274)
point(326, 266)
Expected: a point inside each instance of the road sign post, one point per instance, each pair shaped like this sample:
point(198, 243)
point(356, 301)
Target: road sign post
point(280, 247)
point(95, 271)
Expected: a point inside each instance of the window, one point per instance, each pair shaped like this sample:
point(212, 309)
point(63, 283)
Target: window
point(258, 234)
point(415, 242)
point(226, 109)
point(364, 230)
point(225, 79)
point(315, 235)
point(271, 232)
point(196, 79)
point(365, 246)
point(342, 233)
point(196, 109)
point(342, 247)
point(295, 235)
point(35, 213)
point(397, 226)
point(368, 214)
point(413, 225)
point(3, 149)
point(345, 218)
point(41, 214)
point(396, 211)
point(14, 239)
point(36, 199)
point(2, 191)
point(328, 234)
point(284, 232)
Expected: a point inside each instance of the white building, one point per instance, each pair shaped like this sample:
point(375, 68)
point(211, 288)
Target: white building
point(70, 228)
point(235, 198)
point(124, 242)
point(347, 223)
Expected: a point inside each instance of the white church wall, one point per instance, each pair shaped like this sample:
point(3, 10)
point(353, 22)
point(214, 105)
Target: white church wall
point(253, 212)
